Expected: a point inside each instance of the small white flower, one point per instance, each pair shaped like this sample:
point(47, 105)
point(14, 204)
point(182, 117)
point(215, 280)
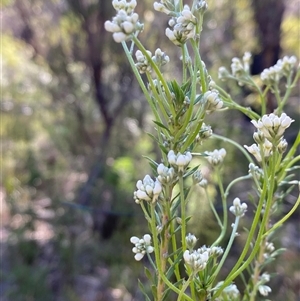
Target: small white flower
point(216, 157)
point(246, 61)
point(147, 190)
point(255, 150)
point(273, 126)
point(238, 209)
point(212, 100)
point(184, 27)
point(264, 290)
point(161, 8)
point(196, 260)
point(190, 241)
point(143, 64)
point(166, 175)
point(223, 73)
point(125, 23)
point(160, 58)
point(179, 161)
point(142, 246)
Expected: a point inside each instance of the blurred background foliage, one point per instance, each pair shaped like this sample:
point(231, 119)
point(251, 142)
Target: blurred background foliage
point(74, 130)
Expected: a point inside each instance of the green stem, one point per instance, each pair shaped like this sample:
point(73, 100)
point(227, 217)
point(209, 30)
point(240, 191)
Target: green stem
point(184, 287)
point(153, 65)
point(229, 245)
point(285, 218)
point(224, 205)
point(245, 153)
point(213, 209)
point(269, 184)
point(183, 214)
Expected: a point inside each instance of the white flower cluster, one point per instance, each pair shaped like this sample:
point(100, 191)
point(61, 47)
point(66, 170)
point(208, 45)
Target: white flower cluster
point(269, 250)
point(283, 67)
point(142, 246)
point(273, 126)
point(183, 27)
point(125, 23)
point(166, 175)
point(212, 100)
point(257, 150)
point(143, 64)
point(230, 292)
point(216, 157)
point(262, 288)
point(160, 58)
point(164, 6)
point(239, 69)
point(147, 190)
point(238, 209)
point(270, 130)
point(191, 241)
point(255, 171)
point(196, 259)
point(179, 161)
point(204, 133)
point(213, 252)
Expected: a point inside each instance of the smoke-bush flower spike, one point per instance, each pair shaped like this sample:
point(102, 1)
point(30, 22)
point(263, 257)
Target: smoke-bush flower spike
point(184, 27)
point(191, 241)
point(223, 73)
point(143, 64)
point(273, 126)
point(166, 175)
point(238, 209)
point(262, 288)
point(212, 100)
point(255, 150)
point(196, 260)
point(160, 58)
point(179, 161)
point(142, 246)
point(147, 190)
point(283, 67)
point(216, 157)
point(125, 23)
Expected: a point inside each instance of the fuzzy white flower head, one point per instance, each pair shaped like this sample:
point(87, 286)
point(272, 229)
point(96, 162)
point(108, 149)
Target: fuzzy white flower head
point(160, 58)
point(238, 209)
point(161, 7)
point(213, 101)
point(216, 157)
point(247, 61)
point(231, 291)
point(147, 190)
point(264, 290)
point(142, 246)
point(179, 161)
point(191, 241)
point(124, 5)
point(286, 65)
point(142, 63)
point(196, 260)
point(237, 67)
point(166, 175)
point(184, 27)
point(125, 23)
point(257, 150)
point(273, 126)
point(223, 73)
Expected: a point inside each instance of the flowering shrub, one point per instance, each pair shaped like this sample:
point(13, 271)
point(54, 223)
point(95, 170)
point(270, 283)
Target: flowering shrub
point(179, 110)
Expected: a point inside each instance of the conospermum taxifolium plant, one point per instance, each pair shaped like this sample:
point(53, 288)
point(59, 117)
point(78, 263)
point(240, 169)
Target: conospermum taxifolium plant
point(181, 267)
